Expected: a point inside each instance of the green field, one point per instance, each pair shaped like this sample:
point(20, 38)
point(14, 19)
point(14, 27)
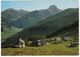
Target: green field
point(51, 49)
point(9, 32)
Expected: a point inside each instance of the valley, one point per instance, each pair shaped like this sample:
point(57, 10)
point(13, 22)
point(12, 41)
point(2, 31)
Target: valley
point(40, 32)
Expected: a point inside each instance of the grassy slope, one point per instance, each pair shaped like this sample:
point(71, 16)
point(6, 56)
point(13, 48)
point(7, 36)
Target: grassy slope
point(9, 32)
point(71, 30)
point(59, 15)
point(56, 49)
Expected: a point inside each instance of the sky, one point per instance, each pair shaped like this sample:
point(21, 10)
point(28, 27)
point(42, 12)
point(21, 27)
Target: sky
point(36, 5)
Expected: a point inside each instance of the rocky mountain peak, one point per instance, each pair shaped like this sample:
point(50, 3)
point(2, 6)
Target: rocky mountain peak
point(53, 7)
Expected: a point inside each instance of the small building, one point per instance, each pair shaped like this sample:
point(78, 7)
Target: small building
point(21, 43)
point(43, 42)
point(66, 38)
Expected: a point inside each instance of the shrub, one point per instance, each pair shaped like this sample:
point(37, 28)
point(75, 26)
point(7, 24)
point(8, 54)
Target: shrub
point(34, 43)
point(75, 39)
point(2, 29)
point(29, 43)
point(37, 37)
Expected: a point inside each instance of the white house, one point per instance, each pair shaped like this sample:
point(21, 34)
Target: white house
point(21, 43)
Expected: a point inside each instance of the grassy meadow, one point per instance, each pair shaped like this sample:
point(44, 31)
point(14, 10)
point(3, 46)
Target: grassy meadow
point(51, 49)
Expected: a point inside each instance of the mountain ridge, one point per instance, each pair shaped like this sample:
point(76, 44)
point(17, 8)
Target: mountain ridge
point(11, 14)
point(34, 17)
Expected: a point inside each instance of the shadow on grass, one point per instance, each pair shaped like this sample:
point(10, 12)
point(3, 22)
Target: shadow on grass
point(71, 46)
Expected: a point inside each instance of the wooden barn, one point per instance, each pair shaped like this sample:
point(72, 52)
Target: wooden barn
point(43, 42)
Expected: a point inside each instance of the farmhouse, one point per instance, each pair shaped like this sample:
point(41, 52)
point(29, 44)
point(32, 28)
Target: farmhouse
point(43, 42)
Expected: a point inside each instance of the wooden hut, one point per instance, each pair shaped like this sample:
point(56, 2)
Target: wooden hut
point(43, 42)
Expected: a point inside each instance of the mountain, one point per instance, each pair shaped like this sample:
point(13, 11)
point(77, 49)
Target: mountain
point(28, 19)
point(53, 9)
point(11, 14)
point(46, 27)
point(8, 16)
point(34, 17)
point(59, 15)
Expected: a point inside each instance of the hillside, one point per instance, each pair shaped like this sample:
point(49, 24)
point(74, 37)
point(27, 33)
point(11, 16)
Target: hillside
point(7, 31)
point(59, 15)
point(51, 25)
point(69, 31)
point(34, 17)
